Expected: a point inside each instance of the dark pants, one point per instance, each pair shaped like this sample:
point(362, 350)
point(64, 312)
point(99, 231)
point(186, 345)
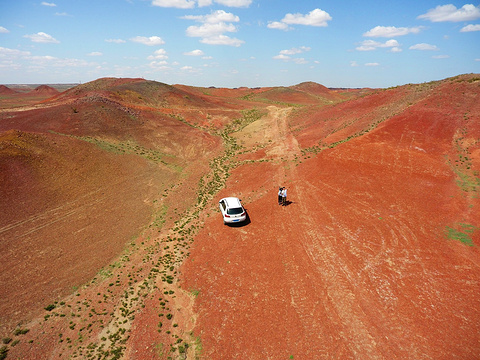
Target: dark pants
point(280, 198)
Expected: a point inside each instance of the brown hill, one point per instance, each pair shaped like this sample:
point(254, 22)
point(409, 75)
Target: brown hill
point(4, 90)
point(135, 92)
point(45, 90)
point(304, 94)
point(375, 255)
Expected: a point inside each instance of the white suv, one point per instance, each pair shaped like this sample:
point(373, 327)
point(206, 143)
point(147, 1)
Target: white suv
point(232, 210)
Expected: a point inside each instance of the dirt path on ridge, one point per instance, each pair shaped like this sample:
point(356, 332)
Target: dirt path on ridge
point(315, 252)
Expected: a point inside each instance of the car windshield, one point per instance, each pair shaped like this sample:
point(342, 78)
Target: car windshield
point(235, 211)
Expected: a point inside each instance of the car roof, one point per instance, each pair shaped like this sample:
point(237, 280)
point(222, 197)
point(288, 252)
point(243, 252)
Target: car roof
point(232, 201)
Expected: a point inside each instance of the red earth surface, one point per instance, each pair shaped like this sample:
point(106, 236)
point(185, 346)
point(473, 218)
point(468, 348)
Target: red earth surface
point(113, 246)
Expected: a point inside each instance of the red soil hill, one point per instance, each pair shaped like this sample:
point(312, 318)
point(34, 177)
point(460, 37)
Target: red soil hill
point(4, 90)
point(45, 90)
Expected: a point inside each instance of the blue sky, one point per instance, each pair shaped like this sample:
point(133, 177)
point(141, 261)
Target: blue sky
point(233, 43)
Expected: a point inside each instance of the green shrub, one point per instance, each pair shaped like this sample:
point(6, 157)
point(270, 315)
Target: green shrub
point(50, 307)
point(3, 352)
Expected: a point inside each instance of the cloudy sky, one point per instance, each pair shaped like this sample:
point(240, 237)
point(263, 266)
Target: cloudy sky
point(232, 43)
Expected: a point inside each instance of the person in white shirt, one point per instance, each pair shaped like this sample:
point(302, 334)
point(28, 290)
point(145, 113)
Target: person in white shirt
point(284, 196)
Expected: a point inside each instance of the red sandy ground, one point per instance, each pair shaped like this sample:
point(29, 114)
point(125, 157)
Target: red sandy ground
point(357, 266)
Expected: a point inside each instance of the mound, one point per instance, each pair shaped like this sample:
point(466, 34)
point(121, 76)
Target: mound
point(135, 92)
point(45, 90)
point(303, 94)
point(4, 90)
point(312, 88)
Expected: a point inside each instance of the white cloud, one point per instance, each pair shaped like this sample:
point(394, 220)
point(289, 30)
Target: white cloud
point(470, 27)
point(190, 4)
point(18, 60)
point(449, 12)
point(372, 64)
point(222, 40)
point(44, 3)
point(391, 31)
point(441, 57)
point(159, 65)
point(190, 70)
point(210, 30)
point(353, 63)
point(62, 14)
point(213, 28)
point(181, 4)
point(150, 41)
point(234, 3)
point(424, 46)
point(51, 61)
point(316, 17)
point(281, 57)
point(95, 53)
point(42, 37)
point(43, 58)
point(278, 25)
point(194, 53)
point(293, 51)
point(12, 53)
point(285, 55)
point(300, 61)
point(215, 17)
point(116, 41)
point(370, 45)
point(160, 54)
point(3, 30)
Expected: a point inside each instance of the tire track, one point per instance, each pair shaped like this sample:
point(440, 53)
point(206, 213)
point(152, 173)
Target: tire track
point(62, 212)
point(340, 296)
point(328, 276)
point(363, 315)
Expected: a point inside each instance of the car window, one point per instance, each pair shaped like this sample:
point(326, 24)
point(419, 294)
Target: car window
point(235, 211)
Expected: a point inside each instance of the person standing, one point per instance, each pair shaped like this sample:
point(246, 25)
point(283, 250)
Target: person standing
point(284, 196)
point(280, 198)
